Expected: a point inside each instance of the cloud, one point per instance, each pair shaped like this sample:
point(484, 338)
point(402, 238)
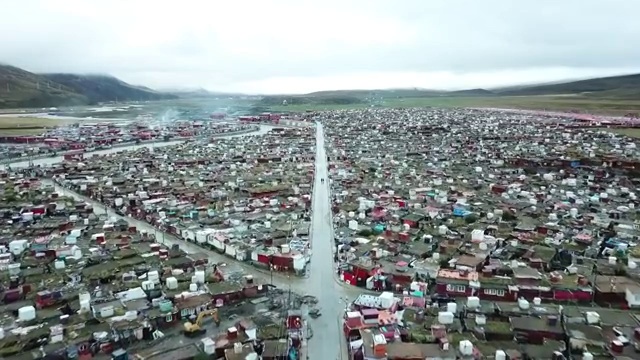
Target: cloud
point(287, 45)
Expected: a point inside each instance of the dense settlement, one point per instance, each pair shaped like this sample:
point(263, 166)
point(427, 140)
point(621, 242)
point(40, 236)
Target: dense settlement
point(468, 234)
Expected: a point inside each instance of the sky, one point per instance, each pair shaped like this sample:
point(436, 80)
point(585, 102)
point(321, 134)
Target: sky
point(299, 46)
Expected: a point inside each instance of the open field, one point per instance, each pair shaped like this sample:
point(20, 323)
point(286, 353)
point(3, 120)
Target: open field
point(21, 132)
point(581, 104)
point(19, 121)
point(16, 126)
point(630, 132)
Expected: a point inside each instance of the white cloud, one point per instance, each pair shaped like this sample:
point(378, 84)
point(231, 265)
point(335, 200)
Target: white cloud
point(306, 45)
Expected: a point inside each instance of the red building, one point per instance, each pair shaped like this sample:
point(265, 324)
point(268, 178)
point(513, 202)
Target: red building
point(76, 155)
point(528, 284)
point(77, 146)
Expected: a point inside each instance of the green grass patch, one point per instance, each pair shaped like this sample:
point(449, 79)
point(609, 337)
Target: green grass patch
point(630, 132)
point(22, 132)
point(21, 126)
point(10, 122)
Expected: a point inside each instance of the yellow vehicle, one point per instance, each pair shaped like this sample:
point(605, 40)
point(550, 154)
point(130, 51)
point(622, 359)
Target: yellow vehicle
point(195, 329)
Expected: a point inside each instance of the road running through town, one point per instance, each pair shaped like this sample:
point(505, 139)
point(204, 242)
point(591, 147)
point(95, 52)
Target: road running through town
point(328, 339)
point(327, 342)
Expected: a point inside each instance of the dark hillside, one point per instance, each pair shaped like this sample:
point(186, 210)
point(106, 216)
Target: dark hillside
point(23, 89)
point(20, 88)
point(101, 88)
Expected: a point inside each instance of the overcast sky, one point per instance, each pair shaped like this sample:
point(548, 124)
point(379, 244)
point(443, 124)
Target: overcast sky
point(295, 46)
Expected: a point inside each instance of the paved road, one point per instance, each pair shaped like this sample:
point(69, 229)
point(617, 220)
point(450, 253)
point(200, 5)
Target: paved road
point(328, 341)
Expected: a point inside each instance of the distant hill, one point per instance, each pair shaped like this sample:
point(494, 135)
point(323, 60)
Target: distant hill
point(330, 98)
point(189, 93)
point(471, 92)
point(399, 93)
point(614, 88)
point(20, 89)
point(620, 87)
point(355, 97)
point(202, 93)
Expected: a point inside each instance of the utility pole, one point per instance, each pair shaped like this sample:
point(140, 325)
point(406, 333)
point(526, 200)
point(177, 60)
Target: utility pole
point(29, 155)
point(271, 268)
point(289, 281)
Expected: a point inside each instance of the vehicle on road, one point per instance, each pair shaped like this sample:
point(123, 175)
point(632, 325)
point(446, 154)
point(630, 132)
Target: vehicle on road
point(193, 329)
point(315, 313)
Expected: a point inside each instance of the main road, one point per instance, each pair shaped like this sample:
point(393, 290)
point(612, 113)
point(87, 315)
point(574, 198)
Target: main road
point(327, 342)
point(328, 339)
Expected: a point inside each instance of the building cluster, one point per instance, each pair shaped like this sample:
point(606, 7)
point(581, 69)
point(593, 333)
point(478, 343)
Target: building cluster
point(506, 208)
point(76, 285)
point(86, 136)
point(389, 326)
point(246, 197)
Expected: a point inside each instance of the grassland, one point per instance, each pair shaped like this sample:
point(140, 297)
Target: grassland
point(18, 125)
point(630, 132)
point(600, 106)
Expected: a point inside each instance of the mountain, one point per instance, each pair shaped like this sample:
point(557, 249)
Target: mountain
point(103, 88)
point(201, 93)
point(619, 87)
point(20, 88)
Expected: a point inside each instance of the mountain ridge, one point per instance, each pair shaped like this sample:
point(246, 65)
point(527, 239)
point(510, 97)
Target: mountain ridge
point(621, 87)
point(20, 88)
point(590, 85)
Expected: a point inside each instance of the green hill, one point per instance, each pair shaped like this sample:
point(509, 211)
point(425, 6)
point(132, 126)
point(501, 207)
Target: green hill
point(618, 87)
point(23, 89)
point(20, 89)
point(471, 92)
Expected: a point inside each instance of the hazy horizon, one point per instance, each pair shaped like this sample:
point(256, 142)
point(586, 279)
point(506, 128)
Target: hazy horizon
point(293, 47)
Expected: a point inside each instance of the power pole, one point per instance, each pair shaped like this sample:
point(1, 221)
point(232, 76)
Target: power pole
point(271, 268)
point(289, 281)
point(29, 155)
